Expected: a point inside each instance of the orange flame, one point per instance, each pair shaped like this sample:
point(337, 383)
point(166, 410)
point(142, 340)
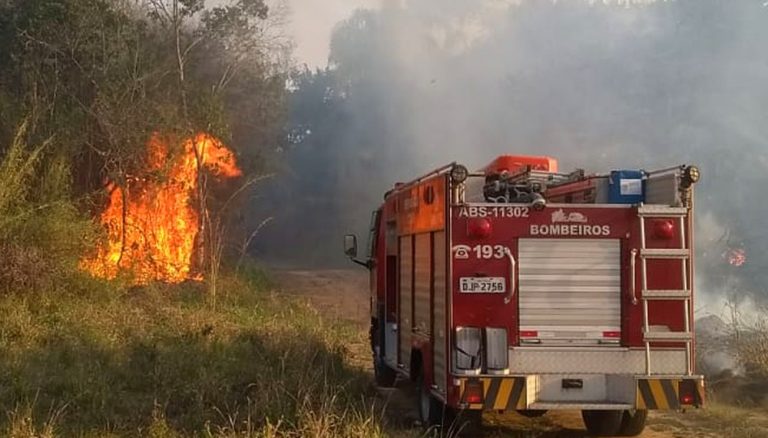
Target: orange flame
point(152, 236)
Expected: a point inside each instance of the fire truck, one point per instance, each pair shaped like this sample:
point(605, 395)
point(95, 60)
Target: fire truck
point(520, 288)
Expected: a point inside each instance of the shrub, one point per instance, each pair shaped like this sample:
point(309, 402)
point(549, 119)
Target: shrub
point(42, 234)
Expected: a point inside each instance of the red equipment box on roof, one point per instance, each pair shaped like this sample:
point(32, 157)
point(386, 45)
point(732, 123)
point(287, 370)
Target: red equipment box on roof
point(517, 163)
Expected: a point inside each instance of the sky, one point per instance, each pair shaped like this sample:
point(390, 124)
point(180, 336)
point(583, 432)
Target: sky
point(311, 24)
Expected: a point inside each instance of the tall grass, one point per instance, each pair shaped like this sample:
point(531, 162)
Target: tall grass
point(96, 360)
point(751, 341)
point(42, 234)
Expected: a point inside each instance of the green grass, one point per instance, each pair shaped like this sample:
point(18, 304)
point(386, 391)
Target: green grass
point(94, 359)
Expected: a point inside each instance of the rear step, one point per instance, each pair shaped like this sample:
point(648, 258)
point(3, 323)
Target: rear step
point(668, 336)
point(665, 253)
point(661, 211)
point(575, 405)
point(667, 294)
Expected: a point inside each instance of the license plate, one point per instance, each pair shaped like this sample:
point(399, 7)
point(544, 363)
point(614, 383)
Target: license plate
point(482, 285)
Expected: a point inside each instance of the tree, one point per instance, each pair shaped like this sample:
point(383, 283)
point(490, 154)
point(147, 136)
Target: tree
point(99, 77)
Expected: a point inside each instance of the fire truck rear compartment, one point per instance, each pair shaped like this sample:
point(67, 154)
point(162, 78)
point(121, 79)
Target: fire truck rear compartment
point(570, 291)
point(614, 391)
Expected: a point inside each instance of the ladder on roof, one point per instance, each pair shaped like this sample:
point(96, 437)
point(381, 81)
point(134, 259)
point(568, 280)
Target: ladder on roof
point(683, 253)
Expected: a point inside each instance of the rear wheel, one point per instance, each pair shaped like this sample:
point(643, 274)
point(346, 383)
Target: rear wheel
point(532, 413)
point(602, 423)
point(633, 422)
point(463, 422)
point(430, 409)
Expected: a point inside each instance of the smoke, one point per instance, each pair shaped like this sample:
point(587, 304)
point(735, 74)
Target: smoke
point(599, 85)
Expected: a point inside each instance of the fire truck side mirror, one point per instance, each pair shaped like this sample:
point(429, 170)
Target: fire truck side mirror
point(350, 245)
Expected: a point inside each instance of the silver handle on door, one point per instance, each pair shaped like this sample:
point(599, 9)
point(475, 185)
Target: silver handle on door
point(633, 276)
point(512, 274)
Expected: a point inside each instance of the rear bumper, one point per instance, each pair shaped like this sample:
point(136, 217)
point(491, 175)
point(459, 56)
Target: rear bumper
point(597, 392)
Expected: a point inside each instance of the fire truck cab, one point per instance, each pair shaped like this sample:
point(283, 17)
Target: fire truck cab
point(517, 287)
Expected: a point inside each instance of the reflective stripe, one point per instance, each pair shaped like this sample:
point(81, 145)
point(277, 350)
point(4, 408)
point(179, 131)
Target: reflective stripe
point(500, 393)
point(646, 400)
point(504, 392)
point(673, 400)
point(665, 393)
point(491, 394)
point(658, 394)
point(517, 400)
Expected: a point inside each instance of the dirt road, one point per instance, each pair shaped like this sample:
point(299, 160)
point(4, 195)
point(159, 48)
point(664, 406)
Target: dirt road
point(344, 294)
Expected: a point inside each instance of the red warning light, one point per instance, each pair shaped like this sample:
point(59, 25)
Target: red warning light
point(479, 228)
point(664, 229)
point(473, 392)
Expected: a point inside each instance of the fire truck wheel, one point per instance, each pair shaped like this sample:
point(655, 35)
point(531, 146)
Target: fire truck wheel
point(602, 423)
point(633, 422)
point(430, 408)
point(532, 413)
point(385, 376)
point(464, 422)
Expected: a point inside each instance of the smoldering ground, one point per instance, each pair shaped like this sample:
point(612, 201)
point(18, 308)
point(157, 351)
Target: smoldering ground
point(599, 85)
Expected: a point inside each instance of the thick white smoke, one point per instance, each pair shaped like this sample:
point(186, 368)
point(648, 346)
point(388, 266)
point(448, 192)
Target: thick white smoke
point(597, 84)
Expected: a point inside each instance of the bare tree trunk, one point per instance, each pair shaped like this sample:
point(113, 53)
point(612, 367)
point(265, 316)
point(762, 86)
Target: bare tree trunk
point(216, 250)
point(200, 247)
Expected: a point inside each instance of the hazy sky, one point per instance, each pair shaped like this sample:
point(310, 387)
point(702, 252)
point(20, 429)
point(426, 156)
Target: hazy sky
point(311, 23)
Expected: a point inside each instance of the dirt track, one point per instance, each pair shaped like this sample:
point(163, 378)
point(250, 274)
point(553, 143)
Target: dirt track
point(344, 294)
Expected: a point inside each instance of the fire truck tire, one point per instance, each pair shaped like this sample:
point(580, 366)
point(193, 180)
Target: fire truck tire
point(532, 413)
point(464, 422)
point(430, 409)
point(384, 375)
point(603, 423)
point(633, 422)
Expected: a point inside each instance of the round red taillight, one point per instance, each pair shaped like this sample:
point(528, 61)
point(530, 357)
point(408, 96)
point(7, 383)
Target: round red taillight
point(479, 228)
point(664, 229)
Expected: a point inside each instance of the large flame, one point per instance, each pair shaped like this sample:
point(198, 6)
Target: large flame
point(153, 236)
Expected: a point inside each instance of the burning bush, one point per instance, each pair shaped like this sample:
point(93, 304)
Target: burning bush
point(154, 220)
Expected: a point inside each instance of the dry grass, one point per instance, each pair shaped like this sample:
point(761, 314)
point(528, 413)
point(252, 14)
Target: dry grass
point(717, 420)
point(751, 341)
point(93, 359)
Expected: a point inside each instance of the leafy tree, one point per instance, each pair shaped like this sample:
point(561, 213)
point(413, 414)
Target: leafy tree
point(96, 78)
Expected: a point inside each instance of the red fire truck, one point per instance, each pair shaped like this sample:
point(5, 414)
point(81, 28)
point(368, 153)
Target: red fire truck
point(517, 287)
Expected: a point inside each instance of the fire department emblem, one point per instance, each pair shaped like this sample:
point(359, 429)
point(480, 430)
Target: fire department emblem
point(560, 216)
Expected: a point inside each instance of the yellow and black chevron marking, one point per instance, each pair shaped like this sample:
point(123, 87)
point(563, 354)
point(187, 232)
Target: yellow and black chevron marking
point(499, 393)
point(665, 393)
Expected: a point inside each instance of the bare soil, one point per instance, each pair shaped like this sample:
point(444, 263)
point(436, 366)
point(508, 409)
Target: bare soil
point(343, 294)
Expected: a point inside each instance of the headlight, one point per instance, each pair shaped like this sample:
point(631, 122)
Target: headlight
point(467, 350)
point(691, 175)
point(459, 174)
point(496, 350)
